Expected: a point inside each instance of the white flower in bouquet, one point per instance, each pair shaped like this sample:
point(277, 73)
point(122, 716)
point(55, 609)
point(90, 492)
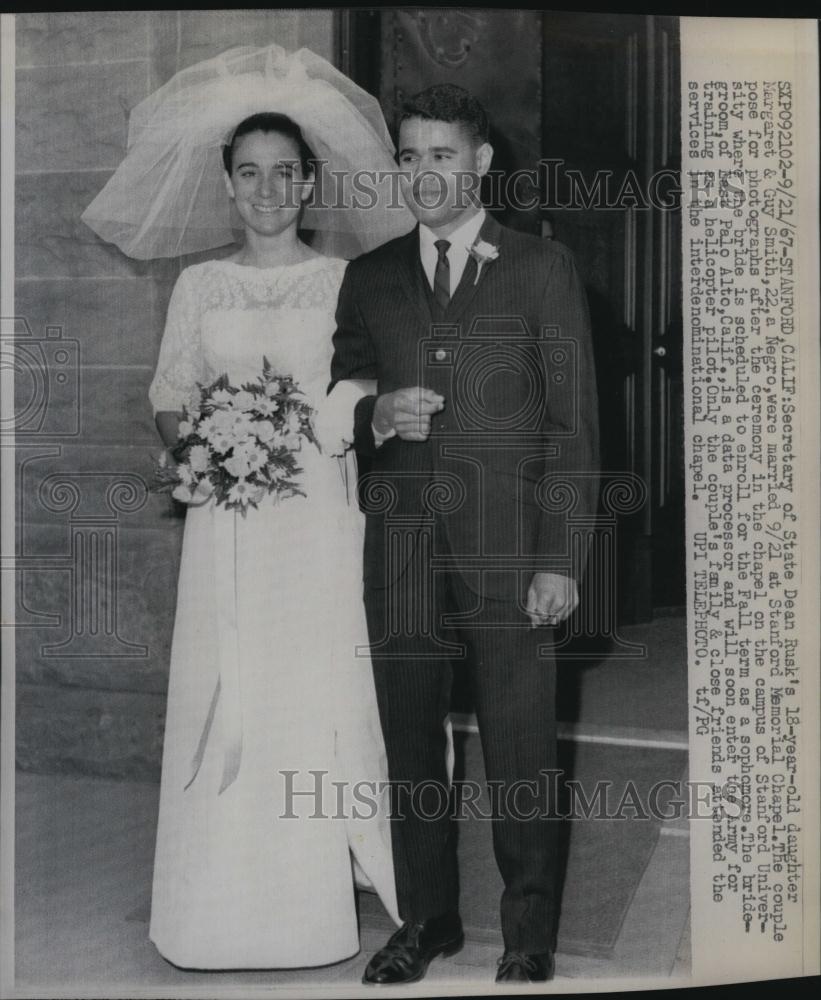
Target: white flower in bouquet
point(199, 458)
point(237, 466)
point(244, 400)
point(258, 458)
point(203, 491)
point(186, 474)
point(205, 426)
point(230, 423)
point(242, 426)
point(267, 407)
point(209, 429)
point(264, 431)
point(186, 428)
point(222, 443)
point(253, 455)
point(246, 493)
point(225, 429)
point(221, 397)
point(221, 422)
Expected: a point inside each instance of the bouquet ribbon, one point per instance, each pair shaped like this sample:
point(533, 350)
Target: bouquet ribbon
point(227, 687)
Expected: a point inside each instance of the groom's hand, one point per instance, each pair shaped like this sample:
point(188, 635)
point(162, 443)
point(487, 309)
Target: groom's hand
point(407, 411)
point(551, 598)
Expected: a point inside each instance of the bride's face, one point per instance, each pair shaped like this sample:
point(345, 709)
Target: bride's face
point(267, 182)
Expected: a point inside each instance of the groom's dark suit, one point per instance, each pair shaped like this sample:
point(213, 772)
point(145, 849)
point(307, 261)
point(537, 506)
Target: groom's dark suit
point(456, 527)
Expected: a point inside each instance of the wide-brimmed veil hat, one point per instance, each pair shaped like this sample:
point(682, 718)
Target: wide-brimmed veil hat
point(167, 198)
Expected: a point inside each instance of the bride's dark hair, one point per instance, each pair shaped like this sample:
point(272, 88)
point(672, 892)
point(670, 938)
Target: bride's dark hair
point(269, 121)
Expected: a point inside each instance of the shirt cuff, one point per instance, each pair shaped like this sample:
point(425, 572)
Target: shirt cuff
point(379, 438)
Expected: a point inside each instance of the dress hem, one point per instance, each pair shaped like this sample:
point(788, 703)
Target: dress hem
point(267, 966)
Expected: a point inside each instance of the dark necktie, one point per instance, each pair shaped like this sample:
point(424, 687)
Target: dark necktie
point(441, 276)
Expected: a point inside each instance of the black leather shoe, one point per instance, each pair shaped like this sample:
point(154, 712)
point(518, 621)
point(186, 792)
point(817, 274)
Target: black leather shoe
point(408, 953)
point(516, 967)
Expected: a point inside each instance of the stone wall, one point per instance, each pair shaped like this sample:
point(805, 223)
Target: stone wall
point(97, 556)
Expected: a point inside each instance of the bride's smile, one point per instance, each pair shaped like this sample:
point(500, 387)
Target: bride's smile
point(269, 182)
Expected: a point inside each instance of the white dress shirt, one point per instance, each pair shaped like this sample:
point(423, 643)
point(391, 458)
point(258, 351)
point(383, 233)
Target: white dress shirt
point(461, 240)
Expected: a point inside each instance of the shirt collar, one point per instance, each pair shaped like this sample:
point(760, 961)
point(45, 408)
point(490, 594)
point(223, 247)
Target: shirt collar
point(463, 237)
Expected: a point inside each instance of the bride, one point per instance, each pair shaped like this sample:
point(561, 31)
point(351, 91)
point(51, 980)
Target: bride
point(273, 757)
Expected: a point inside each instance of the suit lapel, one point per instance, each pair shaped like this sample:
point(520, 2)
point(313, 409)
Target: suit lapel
point(472, 278)
point(414, 283)
point(411, 276)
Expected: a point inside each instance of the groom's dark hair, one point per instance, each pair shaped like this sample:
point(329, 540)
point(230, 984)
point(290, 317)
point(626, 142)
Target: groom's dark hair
point(445, 102)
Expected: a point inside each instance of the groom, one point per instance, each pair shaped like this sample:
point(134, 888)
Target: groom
point(485, 415)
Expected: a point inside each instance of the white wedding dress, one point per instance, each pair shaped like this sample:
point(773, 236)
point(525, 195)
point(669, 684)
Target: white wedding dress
point(264, 666)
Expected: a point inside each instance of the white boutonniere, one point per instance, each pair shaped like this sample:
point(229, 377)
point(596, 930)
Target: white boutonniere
point(483, 253)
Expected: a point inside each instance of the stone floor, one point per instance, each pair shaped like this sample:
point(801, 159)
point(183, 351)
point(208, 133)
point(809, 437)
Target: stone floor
point(83, 893)
point(84, 852)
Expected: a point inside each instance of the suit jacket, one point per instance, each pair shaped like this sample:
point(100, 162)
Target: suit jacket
point(519, 431)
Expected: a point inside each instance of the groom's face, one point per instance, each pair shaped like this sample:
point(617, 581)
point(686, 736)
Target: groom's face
point(441, 164)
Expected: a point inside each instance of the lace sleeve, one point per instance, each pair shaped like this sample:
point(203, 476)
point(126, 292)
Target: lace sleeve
point(180, 364)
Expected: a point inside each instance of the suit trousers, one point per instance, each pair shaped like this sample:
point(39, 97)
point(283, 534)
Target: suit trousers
point(413, 652)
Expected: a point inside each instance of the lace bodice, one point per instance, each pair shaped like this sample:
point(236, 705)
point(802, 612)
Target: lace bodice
point(223, 317)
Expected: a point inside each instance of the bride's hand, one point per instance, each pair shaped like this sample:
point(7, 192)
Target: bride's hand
point(167, 460)
point(168, 424)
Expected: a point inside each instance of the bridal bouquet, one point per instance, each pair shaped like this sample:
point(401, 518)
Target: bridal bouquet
point(237, 446)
